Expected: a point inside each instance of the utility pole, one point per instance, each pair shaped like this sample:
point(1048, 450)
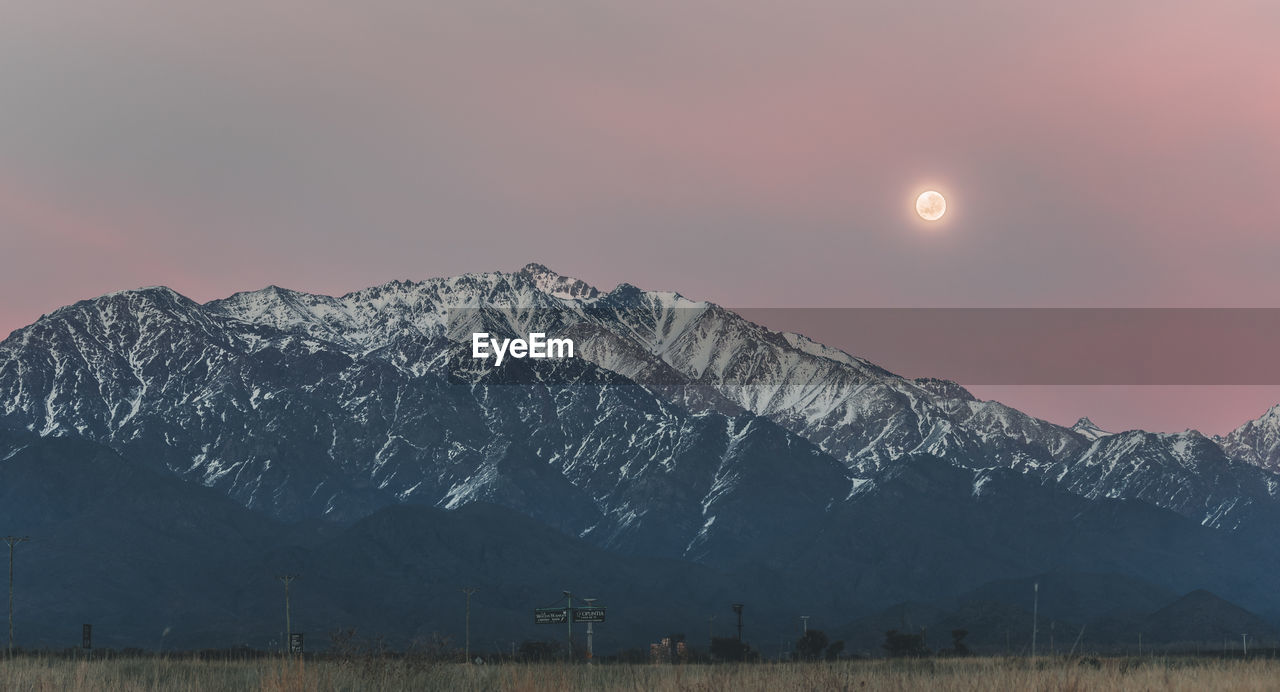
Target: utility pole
point(805, 627)
point(468, 591)
point(1035, 620)
point(12, 541)
point(737, 608)
point(569, 610)
point(1244, 645)
point(590, 629)
point(287, 579)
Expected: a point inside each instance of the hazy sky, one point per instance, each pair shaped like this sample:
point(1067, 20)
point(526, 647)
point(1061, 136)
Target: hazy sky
point(752, 153)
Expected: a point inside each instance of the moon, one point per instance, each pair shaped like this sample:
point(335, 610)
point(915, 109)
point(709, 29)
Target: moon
point(931, 205)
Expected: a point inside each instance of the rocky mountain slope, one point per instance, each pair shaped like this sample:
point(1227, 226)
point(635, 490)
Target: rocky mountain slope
point(313, 406)
point(680, 431)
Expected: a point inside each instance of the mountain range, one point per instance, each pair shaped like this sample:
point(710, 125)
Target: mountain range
point(681, 443)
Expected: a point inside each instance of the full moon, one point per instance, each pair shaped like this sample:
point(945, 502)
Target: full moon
point(931, 205)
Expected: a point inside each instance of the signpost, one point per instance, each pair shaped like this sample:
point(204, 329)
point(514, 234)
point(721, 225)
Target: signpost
point(559, 616)
point(590, 614)
point(550, 616)
point(295, 642)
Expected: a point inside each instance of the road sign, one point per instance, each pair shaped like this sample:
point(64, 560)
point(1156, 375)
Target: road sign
point(86, 640)
point(295, 642)
point(550, 616)
point(592, 614)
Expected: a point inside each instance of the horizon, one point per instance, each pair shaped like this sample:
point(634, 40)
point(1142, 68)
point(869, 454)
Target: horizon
point(1211, 409)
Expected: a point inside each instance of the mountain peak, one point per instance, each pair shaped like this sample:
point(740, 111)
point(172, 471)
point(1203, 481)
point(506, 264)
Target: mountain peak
point(130, 299)
point(1257, 441)
point(945, 388)
point(557, 284)
point(147, 291)
point(537, 268)
point(1089, 429)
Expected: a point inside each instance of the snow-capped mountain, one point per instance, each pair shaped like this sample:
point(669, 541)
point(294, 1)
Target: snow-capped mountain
point(1257, 441)
point(1088, 429)
point(680, 426)
point(1186, 472)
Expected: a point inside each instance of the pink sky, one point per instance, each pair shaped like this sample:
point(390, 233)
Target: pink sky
point(750, 153)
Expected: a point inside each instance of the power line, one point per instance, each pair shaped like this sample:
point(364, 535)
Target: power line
point(12, 541)
point(287, 579)
point(1035, 620)
point(569, 612)
point(468, 591)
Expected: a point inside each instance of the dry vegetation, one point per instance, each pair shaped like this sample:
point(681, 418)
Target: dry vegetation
point(943, 674)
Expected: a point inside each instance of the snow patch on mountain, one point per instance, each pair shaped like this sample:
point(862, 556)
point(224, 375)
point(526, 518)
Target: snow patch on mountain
point(558, 285)
point(1089, 429)
point(1256, 442)
point(274, 395)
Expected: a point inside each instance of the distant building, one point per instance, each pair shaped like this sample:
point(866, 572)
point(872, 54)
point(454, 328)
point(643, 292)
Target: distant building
point(666, 651)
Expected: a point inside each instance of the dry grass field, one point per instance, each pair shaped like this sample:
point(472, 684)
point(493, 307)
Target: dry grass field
point(175, 674)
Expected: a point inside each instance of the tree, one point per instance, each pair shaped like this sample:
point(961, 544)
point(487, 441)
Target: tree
point(435, 647)
point(729, 649)
point(810, 645)
point(531, 650)
point(900, 644)
point(958, 647)
point(834, 650)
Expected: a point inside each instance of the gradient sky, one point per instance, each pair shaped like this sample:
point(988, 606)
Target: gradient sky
point(752, 153)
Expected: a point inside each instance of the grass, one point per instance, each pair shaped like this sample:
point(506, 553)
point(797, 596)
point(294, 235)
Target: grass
point(277, 675)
